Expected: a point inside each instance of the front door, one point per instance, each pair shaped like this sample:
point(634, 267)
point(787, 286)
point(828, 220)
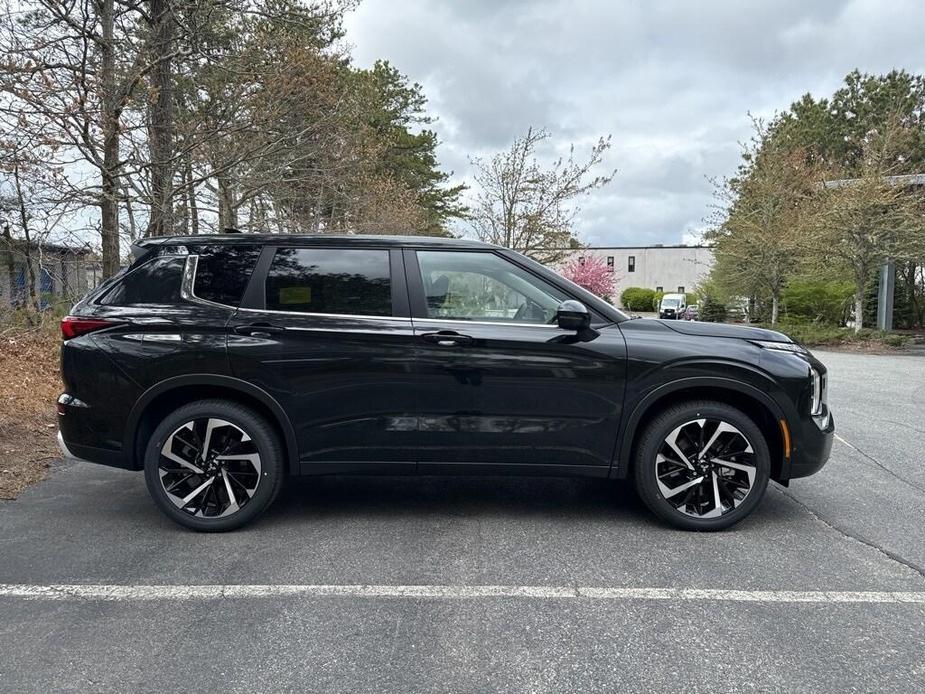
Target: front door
point(500, 386)
point(326, 332)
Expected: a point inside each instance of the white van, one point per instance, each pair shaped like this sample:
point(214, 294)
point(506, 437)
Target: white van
point(672, 306)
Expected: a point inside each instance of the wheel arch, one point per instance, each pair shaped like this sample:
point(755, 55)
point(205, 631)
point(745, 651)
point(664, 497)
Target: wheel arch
point(174, 392)
point(758, 405)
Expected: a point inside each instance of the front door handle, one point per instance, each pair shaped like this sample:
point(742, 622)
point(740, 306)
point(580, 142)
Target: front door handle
point(447, 338)
point(259, 329)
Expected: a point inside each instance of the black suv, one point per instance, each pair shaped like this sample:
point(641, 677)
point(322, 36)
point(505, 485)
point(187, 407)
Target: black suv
point(221, 364)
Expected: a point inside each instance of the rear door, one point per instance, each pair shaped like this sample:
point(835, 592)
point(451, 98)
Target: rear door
point(500, 386)
point(326, 331)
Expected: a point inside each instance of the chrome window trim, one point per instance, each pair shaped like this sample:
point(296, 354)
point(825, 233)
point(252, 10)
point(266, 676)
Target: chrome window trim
point(487, 322)
point(403, 319)
point(189, 282)
point(338, 329)
point(326, 315)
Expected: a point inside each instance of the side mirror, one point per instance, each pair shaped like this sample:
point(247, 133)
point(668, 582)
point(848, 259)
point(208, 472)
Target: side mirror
point(573, 315)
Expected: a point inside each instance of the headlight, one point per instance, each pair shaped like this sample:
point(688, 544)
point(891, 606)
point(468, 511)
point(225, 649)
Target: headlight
point(818, 392)
point(781, 346)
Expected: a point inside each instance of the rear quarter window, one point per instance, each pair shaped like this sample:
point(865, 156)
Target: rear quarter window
point(222, 272)
point(155, 282)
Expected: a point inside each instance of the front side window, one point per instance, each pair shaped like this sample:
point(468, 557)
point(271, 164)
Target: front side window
point(460, 285)
point(156, 282)
point(330, 280)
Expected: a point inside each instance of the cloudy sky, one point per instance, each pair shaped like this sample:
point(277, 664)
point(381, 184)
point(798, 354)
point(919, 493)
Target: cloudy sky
point(671, 80)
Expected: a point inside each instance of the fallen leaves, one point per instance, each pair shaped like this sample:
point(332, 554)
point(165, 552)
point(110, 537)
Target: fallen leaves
point(30, 382)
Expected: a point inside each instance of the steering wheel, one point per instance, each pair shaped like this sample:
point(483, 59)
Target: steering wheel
point(530, 311)
point(521, 311)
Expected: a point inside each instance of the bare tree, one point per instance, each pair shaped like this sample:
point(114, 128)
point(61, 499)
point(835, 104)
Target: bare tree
point(530, 208)
point(161, 50)
point(72, 69)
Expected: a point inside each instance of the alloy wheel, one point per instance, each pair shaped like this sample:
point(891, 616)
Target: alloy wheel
point(705, 468)
point(209, 468)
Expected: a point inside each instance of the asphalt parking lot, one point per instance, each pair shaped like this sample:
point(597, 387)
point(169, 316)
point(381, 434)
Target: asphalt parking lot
point(486, 584)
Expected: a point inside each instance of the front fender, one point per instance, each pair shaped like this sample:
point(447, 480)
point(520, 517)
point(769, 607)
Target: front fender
point(759, 390)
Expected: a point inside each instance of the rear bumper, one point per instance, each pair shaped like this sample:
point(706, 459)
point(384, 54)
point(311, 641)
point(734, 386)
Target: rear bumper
point(66, 452)
point(90, 454)
point(80, 425)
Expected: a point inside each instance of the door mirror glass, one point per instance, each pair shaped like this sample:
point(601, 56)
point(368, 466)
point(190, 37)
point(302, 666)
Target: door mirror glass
point(573, 315)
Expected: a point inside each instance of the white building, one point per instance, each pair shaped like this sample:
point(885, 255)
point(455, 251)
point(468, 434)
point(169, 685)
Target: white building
point(663, 268)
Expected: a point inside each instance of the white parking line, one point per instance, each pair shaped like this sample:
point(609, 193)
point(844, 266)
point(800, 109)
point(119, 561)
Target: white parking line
point(215, 592)
point(839, 438)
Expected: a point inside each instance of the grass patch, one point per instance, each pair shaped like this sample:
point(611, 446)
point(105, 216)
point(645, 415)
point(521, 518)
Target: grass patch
point(30, 382)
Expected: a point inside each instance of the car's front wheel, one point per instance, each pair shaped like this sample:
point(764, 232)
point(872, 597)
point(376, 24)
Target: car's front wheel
point(213, 465)
point(702, 465)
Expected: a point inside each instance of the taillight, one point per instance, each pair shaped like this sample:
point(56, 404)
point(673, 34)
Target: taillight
point(74, 326)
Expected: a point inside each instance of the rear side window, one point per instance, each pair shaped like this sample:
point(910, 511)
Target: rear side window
point(222, 272)
point(328, 280)
point(156, 282)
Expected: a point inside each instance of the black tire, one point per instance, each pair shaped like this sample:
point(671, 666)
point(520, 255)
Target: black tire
point(686, 417)
point(229, 424)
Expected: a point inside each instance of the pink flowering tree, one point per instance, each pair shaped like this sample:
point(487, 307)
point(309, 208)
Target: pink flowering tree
point(591, 273)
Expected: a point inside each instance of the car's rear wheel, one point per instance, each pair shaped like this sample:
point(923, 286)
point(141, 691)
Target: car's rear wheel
point(702, 465)
point(213, 465)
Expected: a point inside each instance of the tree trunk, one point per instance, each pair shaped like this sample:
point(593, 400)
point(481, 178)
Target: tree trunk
point(109, 202)
point(775, 308)
point(192, 205)
point(27, 247)
point(160, 118)
point(859, 309)
point(912, 294)
point(10, 262)
point(227, 209)
point(181, 213)
point(130, 215)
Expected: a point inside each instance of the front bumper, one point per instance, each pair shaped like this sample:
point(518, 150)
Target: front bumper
point(812, 445)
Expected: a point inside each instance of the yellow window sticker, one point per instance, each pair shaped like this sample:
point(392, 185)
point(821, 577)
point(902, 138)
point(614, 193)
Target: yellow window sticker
point(295, 295)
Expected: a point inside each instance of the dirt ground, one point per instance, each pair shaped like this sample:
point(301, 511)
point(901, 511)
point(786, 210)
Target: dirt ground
point(30, 383)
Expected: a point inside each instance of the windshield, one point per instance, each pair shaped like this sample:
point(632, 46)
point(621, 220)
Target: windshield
point(670, 303)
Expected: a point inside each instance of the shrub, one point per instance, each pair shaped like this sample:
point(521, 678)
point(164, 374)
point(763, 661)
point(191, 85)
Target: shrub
point(813, 300)
point(821, 335)
point(637, 298)
point(808, 333)
point(657, 300)
point(711, 310)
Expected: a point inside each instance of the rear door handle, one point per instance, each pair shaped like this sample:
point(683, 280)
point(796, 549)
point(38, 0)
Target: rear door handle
point(447, 338)
point(259, 329)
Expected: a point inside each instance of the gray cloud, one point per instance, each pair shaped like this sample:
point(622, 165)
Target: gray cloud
point(671, 80)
